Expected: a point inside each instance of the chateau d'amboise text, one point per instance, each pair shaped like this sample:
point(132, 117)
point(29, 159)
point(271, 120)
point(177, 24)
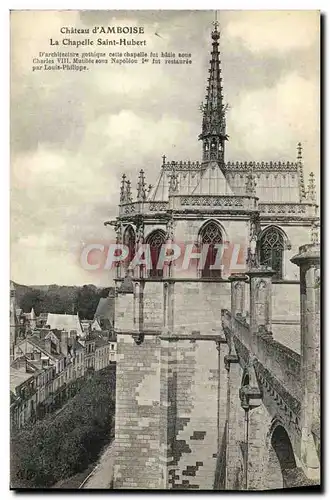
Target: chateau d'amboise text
point(80, 49)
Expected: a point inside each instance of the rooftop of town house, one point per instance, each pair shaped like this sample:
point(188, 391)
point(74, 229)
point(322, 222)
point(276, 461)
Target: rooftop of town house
point(66, 322)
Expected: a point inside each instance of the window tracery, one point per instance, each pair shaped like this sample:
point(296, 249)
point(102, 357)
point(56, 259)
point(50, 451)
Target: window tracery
point(155, 240)
point(271, 250)
point(211, 235)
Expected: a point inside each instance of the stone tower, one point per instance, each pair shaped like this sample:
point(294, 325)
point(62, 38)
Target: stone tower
point(171, 395)
point(308, 260)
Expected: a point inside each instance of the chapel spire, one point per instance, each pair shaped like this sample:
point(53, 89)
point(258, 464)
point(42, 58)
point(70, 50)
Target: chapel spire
point(301, 172)
point(214, 121)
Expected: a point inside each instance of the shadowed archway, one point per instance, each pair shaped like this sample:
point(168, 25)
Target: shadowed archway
point(282, 465)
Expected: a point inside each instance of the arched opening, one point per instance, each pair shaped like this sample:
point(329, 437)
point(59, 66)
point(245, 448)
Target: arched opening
point(271, 248)
point(281, 463)
point(210, 234)
point(129, 241)
point(155, 240)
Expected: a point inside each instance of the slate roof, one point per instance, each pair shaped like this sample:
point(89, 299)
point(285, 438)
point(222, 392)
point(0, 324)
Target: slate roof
point(105, 308)
point(275, 182)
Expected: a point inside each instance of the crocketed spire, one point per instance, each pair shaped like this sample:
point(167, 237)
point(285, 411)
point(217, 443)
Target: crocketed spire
point(214, 121)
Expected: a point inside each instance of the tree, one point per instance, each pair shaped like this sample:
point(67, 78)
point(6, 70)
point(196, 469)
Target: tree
point(87, 301)
point(56, 448)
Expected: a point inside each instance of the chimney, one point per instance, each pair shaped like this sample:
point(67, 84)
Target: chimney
point(64, 342)
point(48, 345)
point(37, 355)
point(73, 338)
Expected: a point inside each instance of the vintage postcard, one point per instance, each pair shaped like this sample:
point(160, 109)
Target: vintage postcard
point(165, 250)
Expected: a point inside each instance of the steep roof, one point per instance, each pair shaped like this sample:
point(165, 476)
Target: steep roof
point(66, 322)
point(213, 181)
point(105, 309)
point(188, 175)
point(276, 182)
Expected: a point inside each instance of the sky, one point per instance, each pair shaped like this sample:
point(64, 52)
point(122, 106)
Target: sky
point(73, 134)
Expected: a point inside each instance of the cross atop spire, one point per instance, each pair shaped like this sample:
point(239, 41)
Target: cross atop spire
point(215, 22)
point(214, 123)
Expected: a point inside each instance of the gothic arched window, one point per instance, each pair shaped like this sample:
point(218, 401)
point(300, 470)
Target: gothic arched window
point(211, 235)
point(271, 250)
point(129, 241)
point(155, 240)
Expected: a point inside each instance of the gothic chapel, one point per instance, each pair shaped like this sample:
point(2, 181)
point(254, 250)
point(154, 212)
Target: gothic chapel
point(171, 401)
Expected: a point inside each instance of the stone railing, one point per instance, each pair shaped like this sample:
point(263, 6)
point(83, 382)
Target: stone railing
point(182, 165)
point(272, 166)
point(223, 203)
point(156, 206)
point(282, 362)
point(288, 209)
point(239, 166)
point(138, 207)
point(279, 360)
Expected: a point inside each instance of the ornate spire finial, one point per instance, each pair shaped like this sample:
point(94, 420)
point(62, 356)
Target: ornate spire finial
point(214, 121)
point(311, 193)
point(215, 22)
point(164, 159)
point(123, 189)
point(141, 187)
point(129, 198)
point(299, 151)
point(302, 191)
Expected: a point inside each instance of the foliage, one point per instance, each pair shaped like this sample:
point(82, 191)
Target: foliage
point(61, 446)
point(86, 301)
point(60, 299)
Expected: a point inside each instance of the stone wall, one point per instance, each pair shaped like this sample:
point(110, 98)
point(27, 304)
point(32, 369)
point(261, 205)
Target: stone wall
point(167, 409)
point(197, 306)
point(137, 433)
point(193, 433)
